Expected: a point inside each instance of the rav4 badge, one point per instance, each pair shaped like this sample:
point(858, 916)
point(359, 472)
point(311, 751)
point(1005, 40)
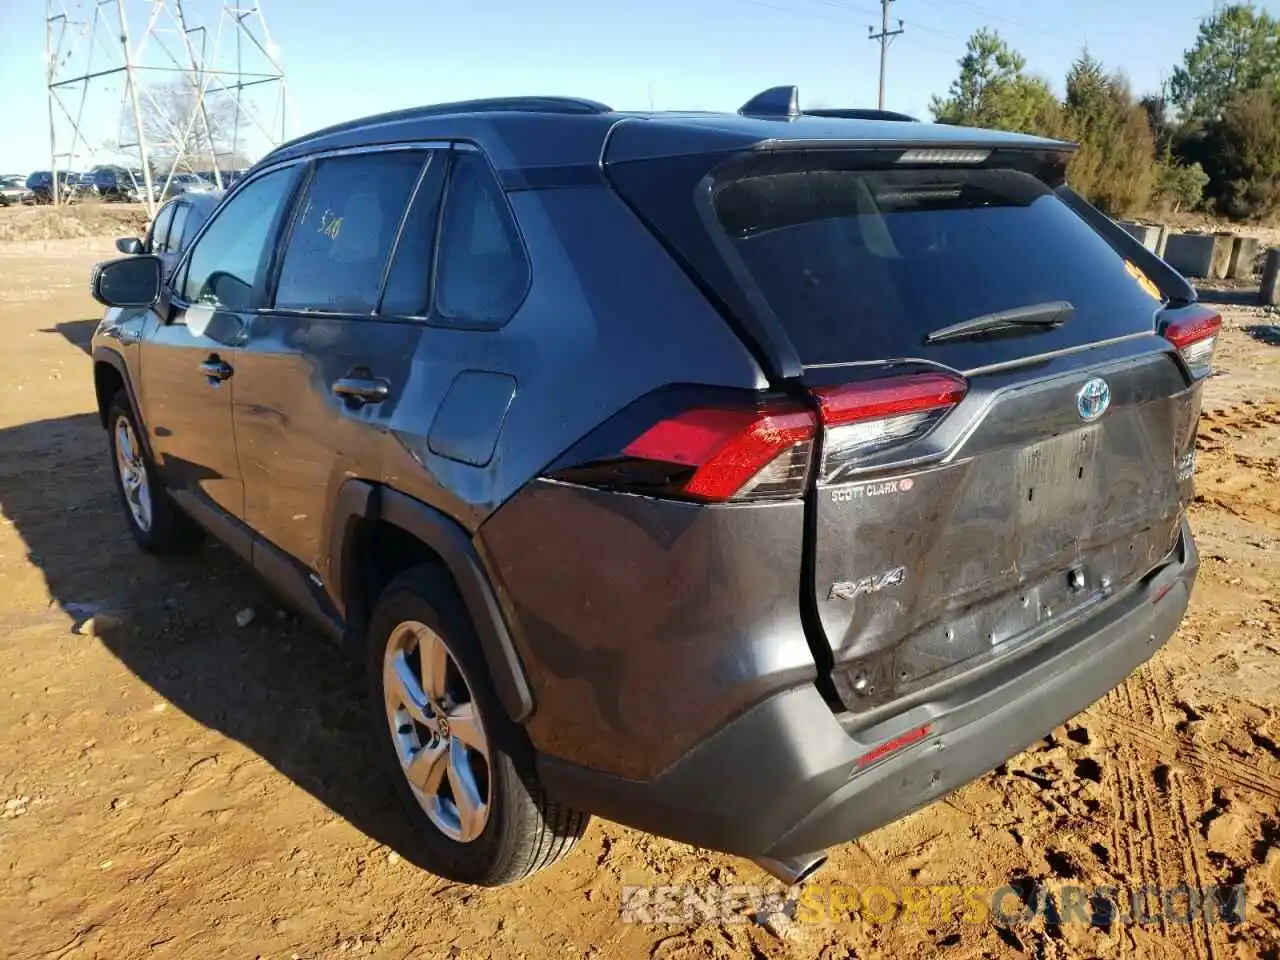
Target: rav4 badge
point(851, 589)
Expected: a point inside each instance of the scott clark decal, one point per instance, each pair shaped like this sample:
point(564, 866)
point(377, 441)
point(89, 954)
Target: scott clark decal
point(876, 488)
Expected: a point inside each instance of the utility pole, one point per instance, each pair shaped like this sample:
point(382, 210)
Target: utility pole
point(885, 36)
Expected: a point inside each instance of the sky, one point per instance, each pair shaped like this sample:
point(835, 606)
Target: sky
point(346, 59)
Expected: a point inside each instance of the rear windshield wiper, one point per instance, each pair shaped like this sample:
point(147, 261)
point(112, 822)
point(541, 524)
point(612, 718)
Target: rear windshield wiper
point(1043, 316)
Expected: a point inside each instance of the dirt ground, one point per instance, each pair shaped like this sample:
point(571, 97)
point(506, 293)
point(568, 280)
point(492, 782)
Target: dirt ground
point(89, 218)
point(175, 785)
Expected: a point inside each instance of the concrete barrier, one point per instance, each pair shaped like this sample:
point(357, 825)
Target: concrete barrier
point(1163, 241)
point(1191, 254)
point(1270, 292)
point(1243, 257)
point(1224, 245)
point(1146, 234)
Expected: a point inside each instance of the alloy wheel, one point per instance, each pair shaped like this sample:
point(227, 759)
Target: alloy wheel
point(133, 474)
point(437, 731)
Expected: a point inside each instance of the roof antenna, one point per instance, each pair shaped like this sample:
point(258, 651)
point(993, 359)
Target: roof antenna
point(777, 103)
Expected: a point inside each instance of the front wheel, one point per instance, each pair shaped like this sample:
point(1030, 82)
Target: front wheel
point(463, 771)
point(155, 521)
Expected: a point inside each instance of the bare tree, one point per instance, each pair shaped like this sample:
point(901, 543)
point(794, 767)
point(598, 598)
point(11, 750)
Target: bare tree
point(185, 131)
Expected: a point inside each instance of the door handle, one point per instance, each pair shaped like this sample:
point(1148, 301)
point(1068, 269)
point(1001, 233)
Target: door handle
point(361, 389)
point(217, 369)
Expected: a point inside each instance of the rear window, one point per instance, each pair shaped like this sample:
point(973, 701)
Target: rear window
point(854, 260)
point(864, 264)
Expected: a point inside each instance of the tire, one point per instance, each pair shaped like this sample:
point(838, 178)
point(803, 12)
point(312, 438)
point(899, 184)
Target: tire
point(161, 527)
point(523, 830)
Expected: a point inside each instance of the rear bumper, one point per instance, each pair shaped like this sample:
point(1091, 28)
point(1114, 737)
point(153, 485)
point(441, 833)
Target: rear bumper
point(783, 779)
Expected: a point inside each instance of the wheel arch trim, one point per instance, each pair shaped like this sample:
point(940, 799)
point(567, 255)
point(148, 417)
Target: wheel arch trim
point(111, 358)
point(362, 499)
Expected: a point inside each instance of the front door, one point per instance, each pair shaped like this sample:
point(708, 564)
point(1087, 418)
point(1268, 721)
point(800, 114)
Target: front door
point(189, 351)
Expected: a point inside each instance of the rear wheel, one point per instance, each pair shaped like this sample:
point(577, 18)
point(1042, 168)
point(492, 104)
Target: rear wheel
point(154, 520)
point(463, 771)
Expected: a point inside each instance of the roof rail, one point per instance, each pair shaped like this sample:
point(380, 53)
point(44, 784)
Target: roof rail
point(783, 103)
point(566, 105)
point(516, 105)
point(860, 113)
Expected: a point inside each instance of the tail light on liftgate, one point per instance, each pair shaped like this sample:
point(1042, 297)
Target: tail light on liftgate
point(718, 454)
point(1195, 338)
point(865, 418)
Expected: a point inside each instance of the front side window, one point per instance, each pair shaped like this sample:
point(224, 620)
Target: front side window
point(344, 231)
point(482, 273)
point(225, 264)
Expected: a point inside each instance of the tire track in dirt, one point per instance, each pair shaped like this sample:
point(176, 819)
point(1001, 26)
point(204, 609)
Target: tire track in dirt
point(1161, 784)
point(1153, 685)
point(1134, 829)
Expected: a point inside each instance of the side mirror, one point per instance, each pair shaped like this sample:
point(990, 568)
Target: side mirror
point(129, 245)
point(129, 282)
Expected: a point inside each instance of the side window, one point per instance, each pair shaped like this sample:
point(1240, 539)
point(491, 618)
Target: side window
point(224, 265)
point(195, 220)
point(482, 274)
point(344, 230)
point(408, 290)
point(174, 242)
point(160, 231)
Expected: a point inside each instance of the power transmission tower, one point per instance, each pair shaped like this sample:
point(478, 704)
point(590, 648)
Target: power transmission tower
point(885, 36)
point(160, 82)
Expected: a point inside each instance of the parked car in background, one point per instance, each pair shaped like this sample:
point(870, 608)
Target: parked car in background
point(40, 184)
point(13, 190)
point(114, 182)
point(82, 186)
point(172, 228)
point(751, 479)
point(184, 183)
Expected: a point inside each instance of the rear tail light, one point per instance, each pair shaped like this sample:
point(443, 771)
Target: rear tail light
point(717, 454)
point(864, 418)
point(1195, 339)
point(734, 454)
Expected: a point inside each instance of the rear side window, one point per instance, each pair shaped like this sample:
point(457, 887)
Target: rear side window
point(864, 264)
point(344, 230)
point(482, 274)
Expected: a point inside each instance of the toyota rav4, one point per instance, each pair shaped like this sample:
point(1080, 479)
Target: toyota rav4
point(751, 479)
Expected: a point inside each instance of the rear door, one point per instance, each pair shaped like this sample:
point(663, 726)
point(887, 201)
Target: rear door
point(324, 370)
point(1005, 437)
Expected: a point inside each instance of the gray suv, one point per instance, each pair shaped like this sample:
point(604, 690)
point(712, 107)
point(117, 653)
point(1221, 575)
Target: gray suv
point(750, 479)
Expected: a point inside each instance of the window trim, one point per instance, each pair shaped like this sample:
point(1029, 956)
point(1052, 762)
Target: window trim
point(265, 300)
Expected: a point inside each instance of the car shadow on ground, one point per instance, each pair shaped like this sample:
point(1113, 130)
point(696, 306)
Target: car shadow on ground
point(276, 685)
point(78, 333)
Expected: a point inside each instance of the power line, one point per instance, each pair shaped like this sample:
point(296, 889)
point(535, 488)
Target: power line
point(885, 37)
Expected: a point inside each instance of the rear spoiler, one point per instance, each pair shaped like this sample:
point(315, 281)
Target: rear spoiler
point(1174, 287)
